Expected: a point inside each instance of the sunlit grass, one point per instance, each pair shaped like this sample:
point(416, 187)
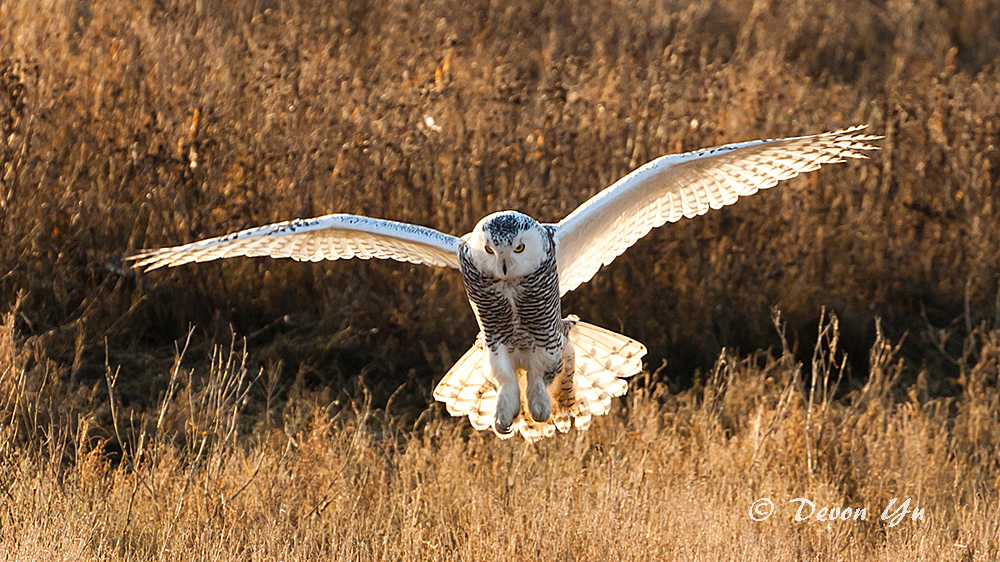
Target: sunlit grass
point(665, 476)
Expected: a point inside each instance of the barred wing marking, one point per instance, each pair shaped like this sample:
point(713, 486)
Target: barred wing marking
point(331, 237)
point(687, 185)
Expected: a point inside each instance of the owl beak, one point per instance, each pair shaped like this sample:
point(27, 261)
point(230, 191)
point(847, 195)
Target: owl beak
point(503, 266)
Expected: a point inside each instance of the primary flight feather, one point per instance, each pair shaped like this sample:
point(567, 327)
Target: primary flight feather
point(531, 371)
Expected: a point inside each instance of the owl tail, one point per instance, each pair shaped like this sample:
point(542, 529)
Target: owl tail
point(602, 359)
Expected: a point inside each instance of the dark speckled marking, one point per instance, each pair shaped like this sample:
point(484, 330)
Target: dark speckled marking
point(505, 226)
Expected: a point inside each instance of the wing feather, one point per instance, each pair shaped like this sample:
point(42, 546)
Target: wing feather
point(331, 237)
point(688, 185)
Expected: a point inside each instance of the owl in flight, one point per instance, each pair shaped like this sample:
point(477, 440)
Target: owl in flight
point(532, 371)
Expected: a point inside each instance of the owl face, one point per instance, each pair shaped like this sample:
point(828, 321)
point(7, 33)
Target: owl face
point(508, 245)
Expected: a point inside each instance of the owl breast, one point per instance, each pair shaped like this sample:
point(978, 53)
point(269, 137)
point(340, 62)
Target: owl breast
point(520, 313)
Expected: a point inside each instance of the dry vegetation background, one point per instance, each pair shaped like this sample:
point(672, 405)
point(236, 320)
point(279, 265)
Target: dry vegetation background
point(296, 423)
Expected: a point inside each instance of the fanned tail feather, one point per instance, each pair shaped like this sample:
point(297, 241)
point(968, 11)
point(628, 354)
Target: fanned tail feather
point(603, 360)
point(481, 417)
point(469, 372)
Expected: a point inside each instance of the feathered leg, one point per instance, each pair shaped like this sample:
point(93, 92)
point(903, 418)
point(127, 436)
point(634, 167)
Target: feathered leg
point(509, 394)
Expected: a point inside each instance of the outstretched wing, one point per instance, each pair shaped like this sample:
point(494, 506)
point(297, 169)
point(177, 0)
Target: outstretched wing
point(687, 185)
point(331, 237)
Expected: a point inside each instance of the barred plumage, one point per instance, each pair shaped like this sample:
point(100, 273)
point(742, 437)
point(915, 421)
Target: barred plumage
point(531, 371)
point(519, 313)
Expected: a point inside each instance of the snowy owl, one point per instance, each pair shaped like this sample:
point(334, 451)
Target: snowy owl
point(531, 371)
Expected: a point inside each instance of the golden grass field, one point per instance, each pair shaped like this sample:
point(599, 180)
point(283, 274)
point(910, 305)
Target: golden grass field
point(272, 410)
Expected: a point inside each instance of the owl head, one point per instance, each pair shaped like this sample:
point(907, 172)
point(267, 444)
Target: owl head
point(508, 244)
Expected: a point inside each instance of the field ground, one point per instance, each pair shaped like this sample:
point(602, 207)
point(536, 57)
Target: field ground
point(261, 409)
point(217, 471)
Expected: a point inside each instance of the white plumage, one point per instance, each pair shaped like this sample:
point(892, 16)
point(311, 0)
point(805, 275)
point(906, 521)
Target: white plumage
point(330, 237)
point(603, 360)
point(687, 185)
point(506, 258)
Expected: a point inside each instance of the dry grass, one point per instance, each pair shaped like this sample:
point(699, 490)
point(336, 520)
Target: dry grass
point(215, 472)
point(146, 123)
point(134, 124)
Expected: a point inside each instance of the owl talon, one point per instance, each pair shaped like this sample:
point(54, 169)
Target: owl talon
point(502, 429)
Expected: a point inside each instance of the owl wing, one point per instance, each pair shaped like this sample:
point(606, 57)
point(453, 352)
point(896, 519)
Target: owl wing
point(331, 237)
point(687, 185)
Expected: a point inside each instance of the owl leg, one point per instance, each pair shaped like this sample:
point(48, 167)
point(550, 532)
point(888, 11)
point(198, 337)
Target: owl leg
point(540, 380)
point(538, 398)
point(509, 393)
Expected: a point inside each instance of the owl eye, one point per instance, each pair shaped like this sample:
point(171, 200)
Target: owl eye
point(519, 249)
point(489, 250)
